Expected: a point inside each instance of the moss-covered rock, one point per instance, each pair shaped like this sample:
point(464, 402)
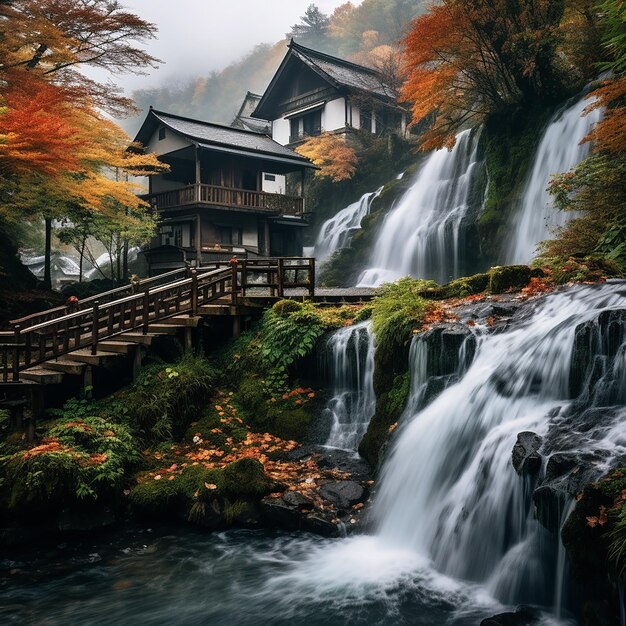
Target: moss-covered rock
point(509, 278)
point(459, 288)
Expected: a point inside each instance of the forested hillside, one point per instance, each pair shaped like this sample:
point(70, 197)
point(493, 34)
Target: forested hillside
point(360, 33)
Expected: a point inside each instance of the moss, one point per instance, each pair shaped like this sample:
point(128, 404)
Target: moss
point(238, 511)
point(291, 424)
point(245, 478)
point(459, 288)
point(509, 278)
point(198, 491)
point(282, 308)
point(510, 140)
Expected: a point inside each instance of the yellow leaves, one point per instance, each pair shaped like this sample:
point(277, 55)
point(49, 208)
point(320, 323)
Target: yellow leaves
point(210, 486)
point(331, 153)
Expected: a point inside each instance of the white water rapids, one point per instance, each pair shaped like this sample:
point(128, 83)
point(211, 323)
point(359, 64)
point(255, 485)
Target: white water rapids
point(421, 236)
point(351, 369)
point(451, 516)
point(559, 151)
point(337, 232)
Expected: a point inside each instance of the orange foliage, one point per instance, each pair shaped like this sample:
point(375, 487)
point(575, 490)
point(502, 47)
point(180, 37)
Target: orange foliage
point(335, 158)
point(609, 135)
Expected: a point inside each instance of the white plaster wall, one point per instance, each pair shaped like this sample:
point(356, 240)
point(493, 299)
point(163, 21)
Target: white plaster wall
point(250, 233)
point(171, 142)
point(280, 131)
point(273, 186)
point(334, 114)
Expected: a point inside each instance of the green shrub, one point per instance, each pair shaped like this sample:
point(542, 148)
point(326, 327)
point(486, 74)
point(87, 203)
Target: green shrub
point(165, 400)
point(79, 458)
point(282, 308)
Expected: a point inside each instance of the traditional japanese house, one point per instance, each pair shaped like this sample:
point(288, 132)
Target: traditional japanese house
point(229, 191)
point(313, 92)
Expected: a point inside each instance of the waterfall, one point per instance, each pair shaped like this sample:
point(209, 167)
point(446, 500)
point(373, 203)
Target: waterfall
point(337, 232)
point(559, 151)
point(449, 491)
point(422, 235)
point(351, 368)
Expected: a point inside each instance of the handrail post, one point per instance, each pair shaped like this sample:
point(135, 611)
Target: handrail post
point(94, 326)
point(16, 354)
point(233, 283)
point(194, 293)
point(146, 312)
point(281, 285)
point(312, 277)
point(244, 277)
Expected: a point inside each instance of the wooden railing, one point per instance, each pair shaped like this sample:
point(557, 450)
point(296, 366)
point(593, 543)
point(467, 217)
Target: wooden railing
point(228, 197)
point(54, 335)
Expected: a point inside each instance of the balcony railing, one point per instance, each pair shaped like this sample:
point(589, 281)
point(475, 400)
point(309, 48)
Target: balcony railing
point(212, 195)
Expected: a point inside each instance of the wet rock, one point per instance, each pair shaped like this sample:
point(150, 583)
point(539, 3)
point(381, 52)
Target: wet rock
point(343, 493)
point(445, 343)
point(523, 616)
point(297, 499)
point(526, 458)
point(278, 513)
point(320, 526)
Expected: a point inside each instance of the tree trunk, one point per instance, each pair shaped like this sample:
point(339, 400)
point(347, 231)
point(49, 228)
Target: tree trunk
point(125, 261)
point(47, 278)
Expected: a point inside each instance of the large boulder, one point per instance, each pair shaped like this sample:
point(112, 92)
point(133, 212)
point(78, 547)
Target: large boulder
point(343, 493)
point(526, 458)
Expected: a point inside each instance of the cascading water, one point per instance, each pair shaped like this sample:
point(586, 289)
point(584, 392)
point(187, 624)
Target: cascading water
point(448, 489)
point(351, 368)
point(559, 151)
point(422, 236)
point(337, 232)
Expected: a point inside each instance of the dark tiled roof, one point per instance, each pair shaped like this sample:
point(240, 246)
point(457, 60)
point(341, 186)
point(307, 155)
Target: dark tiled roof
point(343, 73)
point(209, 133)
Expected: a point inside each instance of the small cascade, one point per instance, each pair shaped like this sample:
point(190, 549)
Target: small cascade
point(448, 489)
point(423, 234)
point(559, 151)
point(337, 232)
point(351, 369)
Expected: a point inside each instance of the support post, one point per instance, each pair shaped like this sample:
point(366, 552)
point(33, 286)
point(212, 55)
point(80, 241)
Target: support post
point(194, 293)
point(94, 327)
point(146, 312)
point(236, 326)
point(281, 276)
point(136, 362)
point(16, 354)
point(312, 277)
point(244, 277)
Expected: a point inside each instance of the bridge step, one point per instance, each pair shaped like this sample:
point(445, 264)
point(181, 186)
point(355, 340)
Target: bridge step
point(137, 337)
point(67, 366)
point(182, 320)
point(98, 358)
point(120, 346)
point(163, 329)
point(42, 375)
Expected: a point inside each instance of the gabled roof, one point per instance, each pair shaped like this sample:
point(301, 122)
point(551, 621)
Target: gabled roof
point(337, 72)
point(244, 120)
point(222, 138)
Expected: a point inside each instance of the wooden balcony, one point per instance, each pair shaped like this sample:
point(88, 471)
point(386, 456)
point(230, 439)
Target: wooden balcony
point(211, 195)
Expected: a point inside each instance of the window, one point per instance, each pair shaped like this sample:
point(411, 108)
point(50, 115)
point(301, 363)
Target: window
point(230, 236)
point(161, 133)
point(270, 177)
point(309, 125)
point(176, 235)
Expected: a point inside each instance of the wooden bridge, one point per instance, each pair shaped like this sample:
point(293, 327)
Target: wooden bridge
point(44, 348)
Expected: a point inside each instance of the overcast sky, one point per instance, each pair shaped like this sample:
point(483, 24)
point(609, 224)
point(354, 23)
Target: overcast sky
point(198, 36)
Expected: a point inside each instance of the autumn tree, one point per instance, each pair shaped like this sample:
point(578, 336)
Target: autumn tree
point(465, 60)
point(57, 149)
point(332, 154)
